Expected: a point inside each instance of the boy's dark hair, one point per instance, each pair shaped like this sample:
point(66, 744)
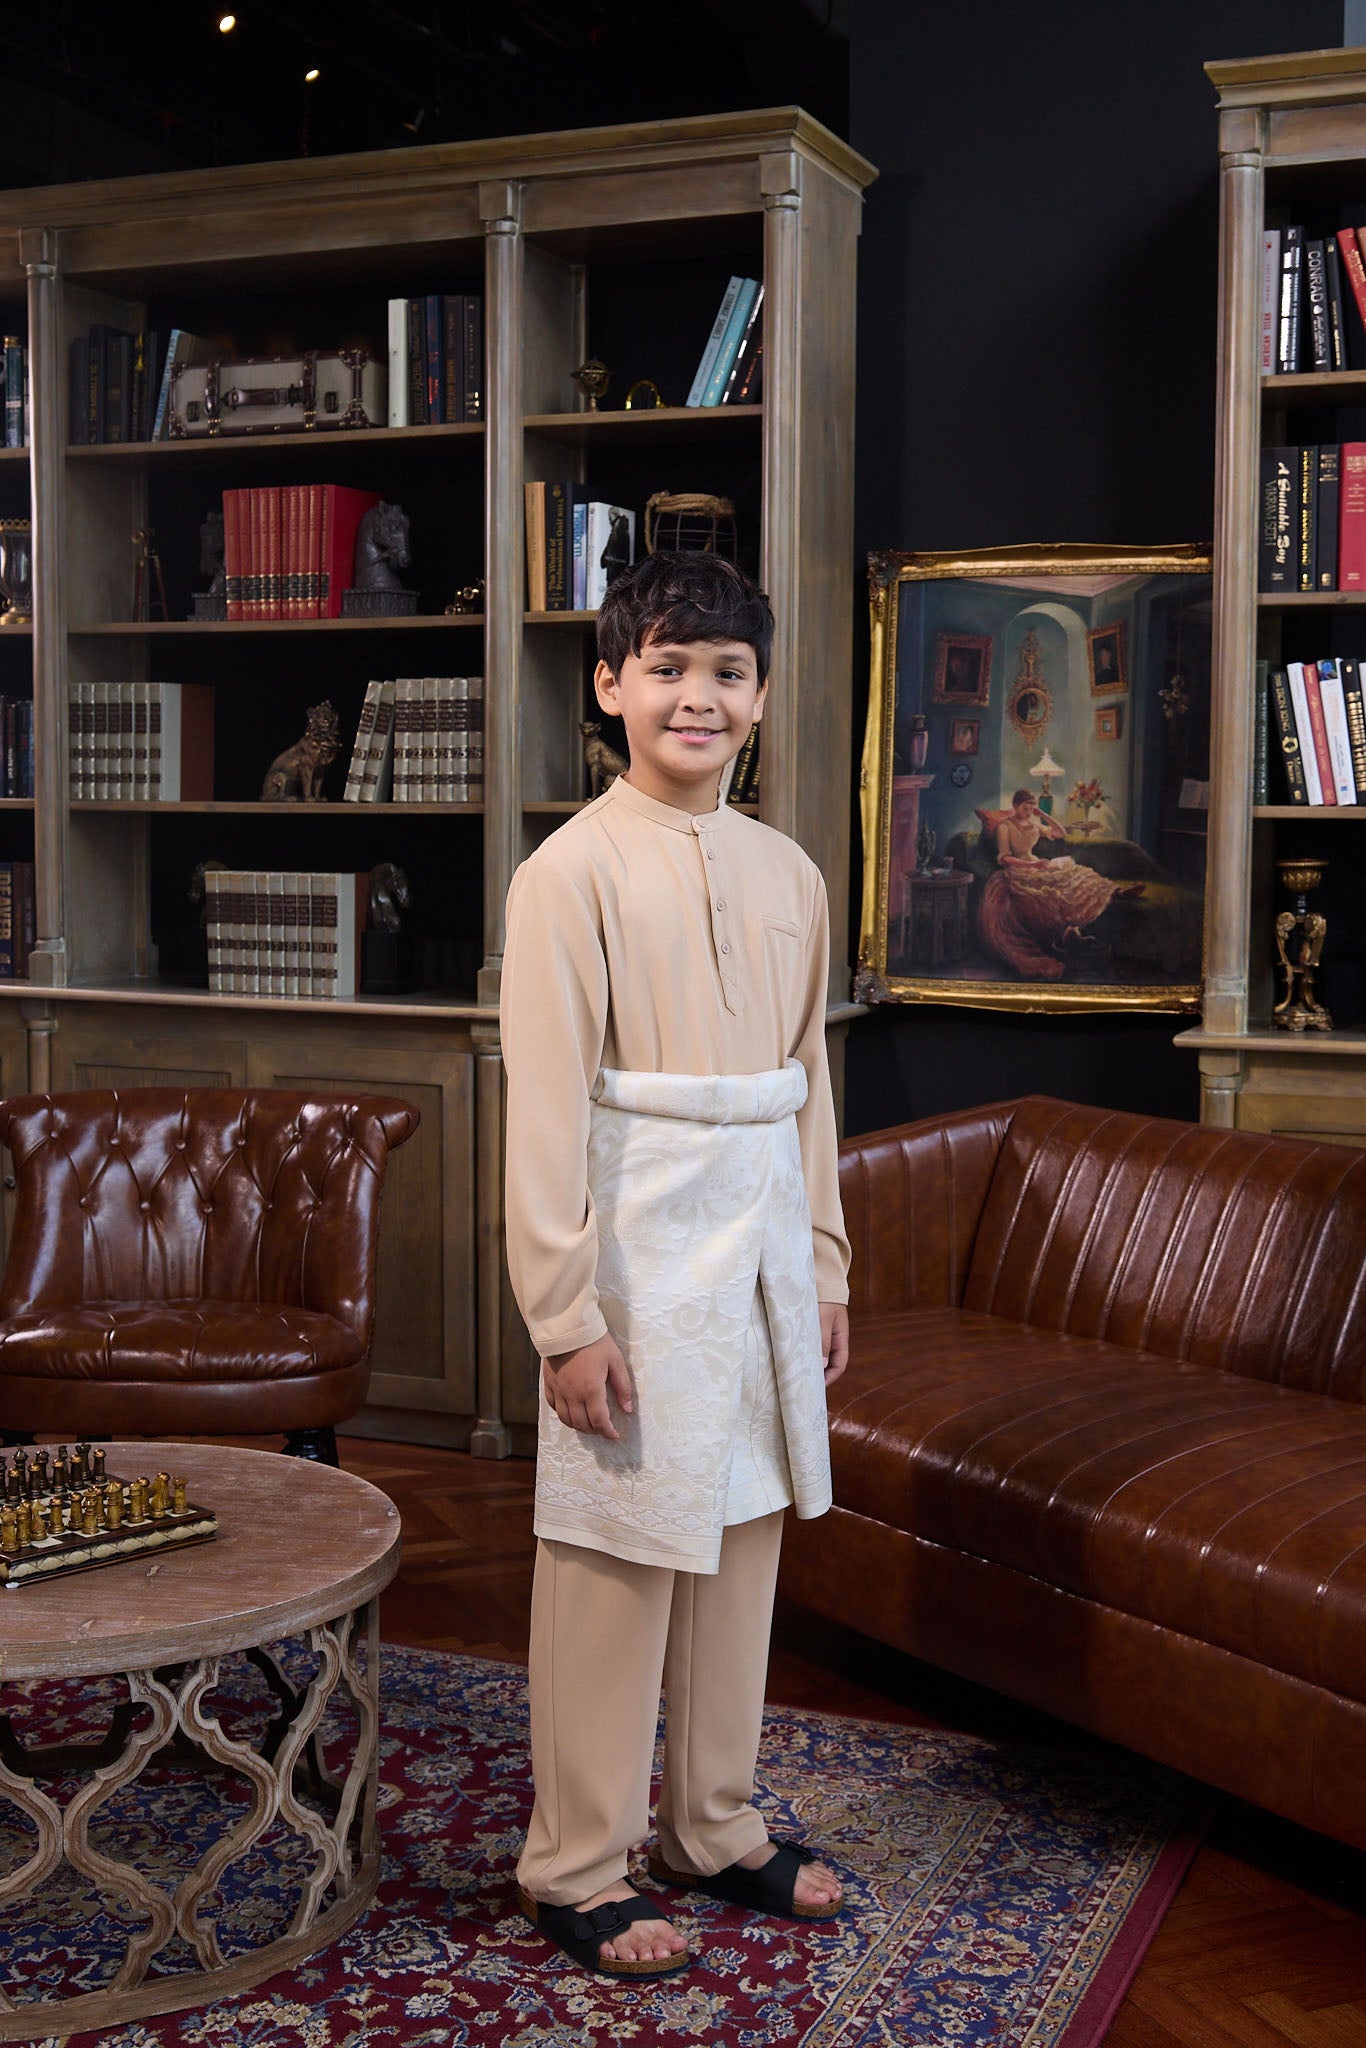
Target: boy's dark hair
point(682, 597)
point(1022, 796)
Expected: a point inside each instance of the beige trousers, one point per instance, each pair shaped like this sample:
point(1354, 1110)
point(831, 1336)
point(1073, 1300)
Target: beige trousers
point(604, 1632)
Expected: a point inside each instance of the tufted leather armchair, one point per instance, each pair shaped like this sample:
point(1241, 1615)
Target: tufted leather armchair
point(192, 1261)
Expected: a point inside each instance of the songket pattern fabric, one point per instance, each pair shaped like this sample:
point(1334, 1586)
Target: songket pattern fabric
point(999, 1893)
point(706, 1279)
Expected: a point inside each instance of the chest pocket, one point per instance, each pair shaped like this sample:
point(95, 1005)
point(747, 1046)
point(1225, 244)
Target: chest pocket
point(784, 927)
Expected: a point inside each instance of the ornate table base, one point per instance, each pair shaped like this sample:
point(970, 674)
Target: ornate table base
point(340, 1841)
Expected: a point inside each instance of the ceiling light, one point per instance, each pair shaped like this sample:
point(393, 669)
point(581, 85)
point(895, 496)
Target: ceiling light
point(226, 24)
point(311, 77)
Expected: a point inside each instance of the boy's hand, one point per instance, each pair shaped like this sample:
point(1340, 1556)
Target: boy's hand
point(834, 1339)
point(576, 1384)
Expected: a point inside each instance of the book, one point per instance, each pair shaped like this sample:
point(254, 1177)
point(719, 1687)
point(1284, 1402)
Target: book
point(1306, 521)
point(748, 339)
point(398, 362)
point(559, 546)
point(1356, 722)
point(534, 498)
point(1316, 292)
point(1349, 252)
point(186, 742)
point(1288, 350)
point(1318, 726)
point(472, 394)
point(453, 357)
point(1335, 722)
point(730, 341)
point(14, 391)
point(407, 703)
point(146, 365)
point(449, 765)
point(714, 339)
point(1288, 733)
point(365, 726)
point(1352, 516)
point(25, 916)
point(609, 549)
point(1261, 739)
point(1337, 317)
point(1326, 551)
point(417, 363)
point(1271, 297)
point(742, 774)
point(6, 920)
point(339, 905)
point(1276, 549)
point(429, 785)
point(431, 342)
point(579, 598)
point(474, 728)
point(183, 348)
point(1308, 754)
point(751, 386)
point(118, 385)
point(378, 772)
point(342, 510)
point(292, 958)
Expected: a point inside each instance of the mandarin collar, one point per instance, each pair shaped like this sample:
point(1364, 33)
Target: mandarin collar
point(625, 792)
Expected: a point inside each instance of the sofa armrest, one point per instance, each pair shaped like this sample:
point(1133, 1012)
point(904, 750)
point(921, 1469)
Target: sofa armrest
point(913, 1197)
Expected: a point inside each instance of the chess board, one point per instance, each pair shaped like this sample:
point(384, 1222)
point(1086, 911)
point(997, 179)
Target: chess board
point(61, 1512)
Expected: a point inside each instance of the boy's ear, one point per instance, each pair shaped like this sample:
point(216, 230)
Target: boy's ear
point(605, 689)
point(760, 699)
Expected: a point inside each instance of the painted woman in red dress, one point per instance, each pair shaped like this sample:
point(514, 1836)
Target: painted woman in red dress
point(1030, 906)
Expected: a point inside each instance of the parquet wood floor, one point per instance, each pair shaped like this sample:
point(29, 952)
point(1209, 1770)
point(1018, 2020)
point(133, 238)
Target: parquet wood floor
point(1263, 1946)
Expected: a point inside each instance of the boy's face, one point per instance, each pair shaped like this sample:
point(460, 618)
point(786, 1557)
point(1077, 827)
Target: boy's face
point(687, 707)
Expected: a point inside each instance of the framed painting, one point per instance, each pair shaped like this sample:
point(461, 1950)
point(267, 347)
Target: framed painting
point(1060, 870)
point(962, 668)
point(1105, 652)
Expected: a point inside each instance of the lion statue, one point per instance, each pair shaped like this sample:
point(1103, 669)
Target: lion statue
point(298, 772)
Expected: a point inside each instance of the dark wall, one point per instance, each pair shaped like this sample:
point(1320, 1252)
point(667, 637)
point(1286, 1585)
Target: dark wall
point(1036, 362)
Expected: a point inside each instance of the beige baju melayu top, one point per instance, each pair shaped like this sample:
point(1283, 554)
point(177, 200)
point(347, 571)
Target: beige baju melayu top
point(643, 938)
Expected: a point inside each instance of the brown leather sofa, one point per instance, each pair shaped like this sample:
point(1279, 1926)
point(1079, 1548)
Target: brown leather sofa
point(1101, 1444)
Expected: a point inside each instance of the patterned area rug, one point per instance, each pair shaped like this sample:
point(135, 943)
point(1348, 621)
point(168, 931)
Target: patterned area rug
point(998, 1893)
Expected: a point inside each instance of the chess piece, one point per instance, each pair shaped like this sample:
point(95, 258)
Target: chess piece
point(97, 1465)
point(40, 1471)
point(9, 1528)
point(20, 1469)
point(213, 602)
point(604, 763)
point(61, 1472)
point(90, 1514)
point(381, 551)
point(137, 1506)
point(80, 1464)
point(161, 1489)
point(181, 1488)
point(113, 1504)
point(24, 1524)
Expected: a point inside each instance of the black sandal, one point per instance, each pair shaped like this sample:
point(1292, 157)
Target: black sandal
point(771, 1888)
point(581, 1932)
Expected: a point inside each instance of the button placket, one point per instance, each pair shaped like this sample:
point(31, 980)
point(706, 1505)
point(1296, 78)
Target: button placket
point(723, 942)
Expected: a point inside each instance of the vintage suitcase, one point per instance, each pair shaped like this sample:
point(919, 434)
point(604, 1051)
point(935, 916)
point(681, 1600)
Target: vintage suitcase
point(279, 394)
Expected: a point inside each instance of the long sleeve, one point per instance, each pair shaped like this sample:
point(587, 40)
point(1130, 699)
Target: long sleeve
point(816, 1119)
point(554, 1013)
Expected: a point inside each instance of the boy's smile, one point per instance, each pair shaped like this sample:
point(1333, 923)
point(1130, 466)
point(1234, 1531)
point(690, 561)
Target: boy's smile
point(687, 707)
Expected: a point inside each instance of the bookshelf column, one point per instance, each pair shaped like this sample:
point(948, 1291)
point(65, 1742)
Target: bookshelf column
point(500, 209)
point(38, 253)
point(780, 178)
point(1235, 578)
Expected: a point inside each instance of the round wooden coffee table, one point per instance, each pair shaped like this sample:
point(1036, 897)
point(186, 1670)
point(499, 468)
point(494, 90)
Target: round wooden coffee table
point(303, 1551)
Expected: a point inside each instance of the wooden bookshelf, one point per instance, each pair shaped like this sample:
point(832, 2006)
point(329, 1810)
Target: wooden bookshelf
point(1292, 140)
point(570, 239)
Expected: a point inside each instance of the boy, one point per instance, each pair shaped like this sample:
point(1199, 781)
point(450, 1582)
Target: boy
point(677, 1249)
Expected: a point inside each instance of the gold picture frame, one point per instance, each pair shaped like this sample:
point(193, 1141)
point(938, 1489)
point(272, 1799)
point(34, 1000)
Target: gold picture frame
point(963, 900)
